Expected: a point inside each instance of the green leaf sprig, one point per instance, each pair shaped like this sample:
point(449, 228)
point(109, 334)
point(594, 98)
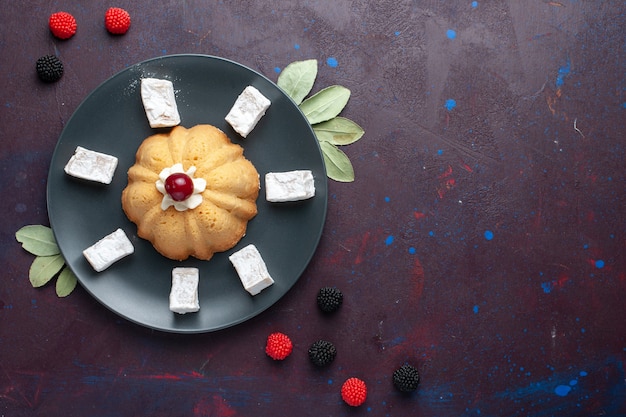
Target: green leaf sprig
point(322, 111)
point(39, 240)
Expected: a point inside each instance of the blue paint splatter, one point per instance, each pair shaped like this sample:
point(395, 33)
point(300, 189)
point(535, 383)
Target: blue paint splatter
point(563, 72)
point(296, 47)
point(330, 382)
point(583, 373)
point(277, 70)
point(397, 341)
point(451, 34)
point(562, 390)
point(450, 104)
point(431, 233)
point(488, 234)
point(387, 199)
point(412, 250)
point(439, 151)
point(389, 240)
point(475, 309)
point(547, 287)
point(397, 33)
point(474, 4)
point(332, 62)
point(599, 264)
point(624, 105)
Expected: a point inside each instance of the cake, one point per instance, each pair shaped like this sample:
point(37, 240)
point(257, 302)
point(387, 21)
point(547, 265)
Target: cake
point(191, 192)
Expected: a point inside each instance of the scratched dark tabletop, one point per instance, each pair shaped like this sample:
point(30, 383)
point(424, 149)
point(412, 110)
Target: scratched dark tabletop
point(483, 240)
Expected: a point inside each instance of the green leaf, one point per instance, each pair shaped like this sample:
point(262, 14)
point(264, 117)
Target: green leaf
point(44, 268)
point(66, 282)
point(338, 131)
point(338, 166)
point(325, 104)
point(297, 79)
point(38, 240)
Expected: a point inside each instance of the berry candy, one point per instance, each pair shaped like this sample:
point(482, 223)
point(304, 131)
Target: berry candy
point(117, 21)
point(329, 299)
point(354, 392)
point(179, 186)
point(322, 353)
point(406, 378)
point(49, 68)
point(62, 25)
point(278, 346)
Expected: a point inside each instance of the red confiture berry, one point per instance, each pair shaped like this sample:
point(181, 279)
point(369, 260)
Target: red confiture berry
point(278, 346)
point(354, 392)
point(117, 21)
point(62, 25)
point(179, 186)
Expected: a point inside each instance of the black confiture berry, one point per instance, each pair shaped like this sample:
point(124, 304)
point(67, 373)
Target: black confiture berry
point(322, 353)
point(49, 68)
point(329, 299)
point(406, 378)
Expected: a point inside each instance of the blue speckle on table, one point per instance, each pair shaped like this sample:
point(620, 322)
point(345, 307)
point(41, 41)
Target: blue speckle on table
point(474, 4)
point(562, 390)
point(277, 70)
point(389, 240)
point(450, 104)
point(475, 309)
point(599, 264)
point(332, 62)
point(488, 234)
point(563, 72)
point(451, 33)
point(296, 47)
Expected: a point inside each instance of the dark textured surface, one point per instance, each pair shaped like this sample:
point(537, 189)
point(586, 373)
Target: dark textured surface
point(483, 240)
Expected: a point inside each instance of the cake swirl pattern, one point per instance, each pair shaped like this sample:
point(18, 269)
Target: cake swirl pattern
point(228, 201)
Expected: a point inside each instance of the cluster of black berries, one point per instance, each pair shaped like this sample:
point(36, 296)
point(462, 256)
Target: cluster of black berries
point(406, 378)
point(49, 68)
point(322, 353)
point(329, 299)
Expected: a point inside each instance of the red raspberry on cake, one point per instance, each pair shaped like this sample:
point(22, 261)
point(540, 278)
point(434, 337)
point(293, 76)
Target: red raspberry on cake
point(62, 25)
point(354, 392)
point(117, 21)
point(278, 346)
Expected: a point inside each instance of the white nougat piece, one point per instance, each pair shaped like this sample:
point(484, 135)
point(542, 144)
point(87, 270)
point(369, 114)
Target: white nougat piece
point(108, 250)
point(91, 165)
point(184, 292)
point(248, 109)
point(251, 269)
point(289, 186)
point(159, 102)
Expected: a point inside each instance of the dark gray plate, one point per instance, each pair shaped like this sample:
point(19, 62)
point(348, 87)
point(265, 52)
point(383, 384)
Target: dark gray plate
point(112, 120)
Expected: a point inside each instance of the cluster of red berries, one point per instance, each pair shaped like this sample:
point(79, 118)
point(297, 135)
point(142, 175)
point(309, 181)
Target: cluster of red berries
point(321, 353)
point(63, 26)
